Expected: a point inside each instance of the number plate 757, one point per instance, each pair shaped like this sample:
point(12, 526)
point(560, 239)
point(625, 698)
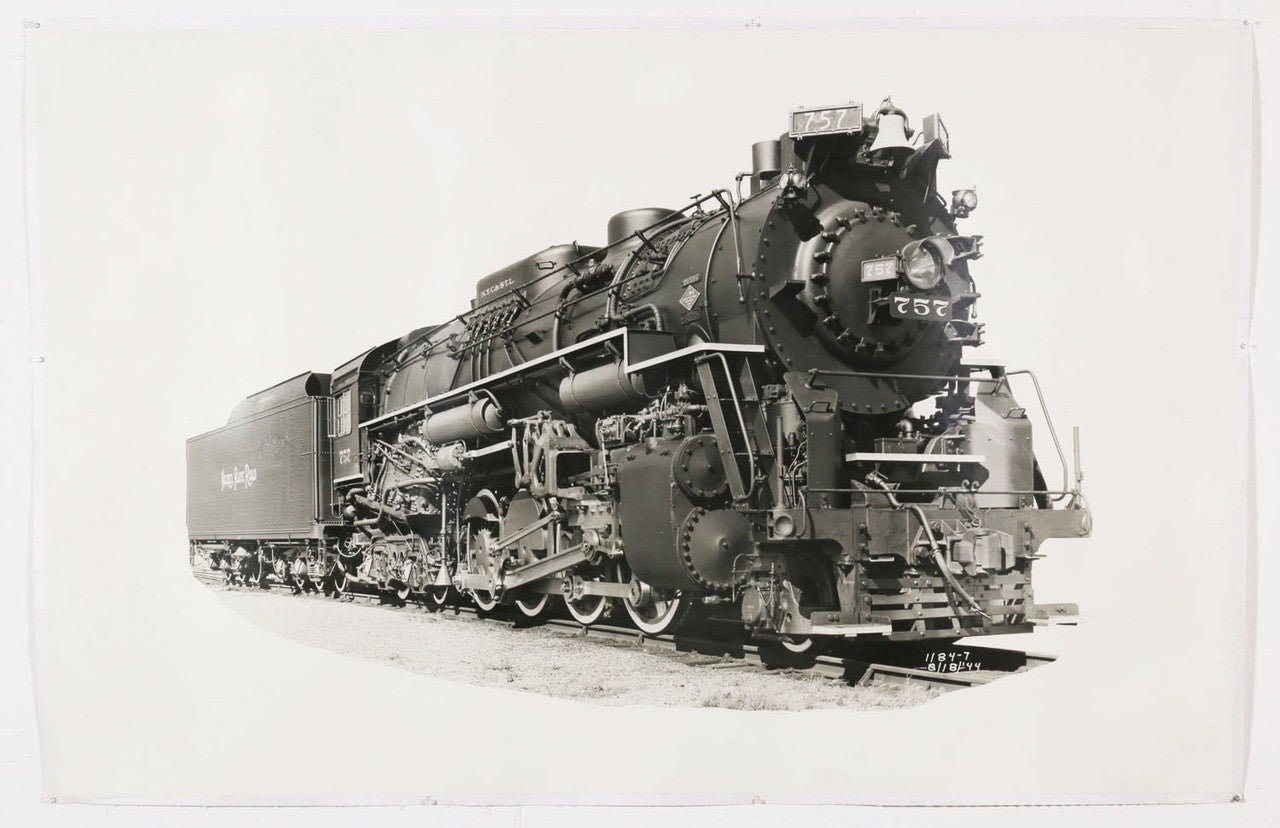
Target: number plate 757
point(929, 308)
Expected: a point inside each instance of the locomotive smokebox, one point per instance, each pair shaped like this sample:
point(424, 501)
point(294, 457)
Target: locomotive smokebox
point(628, 222)
point(766, 163)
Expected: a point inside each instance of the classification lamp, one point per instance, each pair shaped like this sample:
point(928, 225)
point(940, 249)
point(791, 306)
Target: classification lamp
point(964, 201)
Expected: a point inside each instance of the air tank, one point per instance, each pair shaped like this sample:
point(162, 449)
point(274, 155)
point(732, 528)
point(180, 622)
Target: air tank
point(469, 421)
point(602, 389)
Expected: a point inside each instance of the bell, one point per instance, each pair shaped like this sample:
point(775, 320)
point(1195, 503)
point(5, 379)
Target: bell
point(891, 136)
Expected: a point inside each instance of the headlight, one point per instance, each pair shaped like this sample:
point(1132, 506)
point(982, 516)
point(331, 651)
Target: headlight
point(923, 267)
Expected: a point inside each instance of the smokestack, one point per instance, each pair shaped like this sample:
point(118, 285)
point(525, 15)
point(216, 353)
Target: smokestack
point(766, 163)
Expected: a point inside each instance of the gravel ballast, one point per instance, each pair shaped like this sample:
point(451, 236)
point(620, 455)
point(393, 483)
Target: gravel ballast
point(550, 660)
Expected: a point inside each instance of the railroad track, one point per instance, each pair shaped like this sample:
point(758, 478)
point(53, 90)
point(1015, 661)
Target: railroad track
point(950, 668)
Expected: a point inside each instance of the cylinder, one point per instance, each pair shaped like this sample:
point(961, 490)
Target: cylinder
point(602, 389)
point(480, 418)
point(629, 221)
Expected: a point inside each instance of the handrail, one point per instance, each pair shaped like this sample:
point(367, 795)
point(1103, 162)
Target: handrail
point(734, 220)
point(814, 373)
point(1074, 494)
point(945, 491)
point(1044, 409)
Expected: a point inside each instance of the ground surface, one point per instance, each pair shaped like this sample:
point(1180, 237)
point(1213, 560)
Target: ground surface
point(550, 660)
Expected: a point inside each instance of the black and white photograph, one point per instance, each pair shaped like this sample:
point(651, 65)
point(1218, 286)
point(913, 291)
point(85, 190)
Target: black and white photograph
point(437, 411)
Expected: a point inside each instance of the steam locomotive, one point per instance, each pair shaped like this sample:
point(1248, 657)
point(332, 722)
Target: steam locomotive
point(754, 407)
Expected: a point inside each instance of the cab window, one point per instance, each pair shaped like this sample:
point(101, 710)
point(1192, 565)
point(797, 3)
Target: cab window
point(340, 415)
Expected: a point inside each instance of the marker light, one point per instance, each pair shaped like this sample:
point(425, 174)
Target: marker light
point(964, 202)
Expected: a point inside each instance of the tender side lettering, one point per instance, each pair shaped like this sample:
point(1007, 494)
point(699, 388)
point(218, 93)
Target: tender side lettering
point(238, 478)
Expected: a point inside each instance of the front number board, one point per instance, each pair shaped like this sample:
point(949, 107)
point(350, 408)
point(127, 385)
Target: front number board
point(880, 270)
point(926, 308)
point(827, 120)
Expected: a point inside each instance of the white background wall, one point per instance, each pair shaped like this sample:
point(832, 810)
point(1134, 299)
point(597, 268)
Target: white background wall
point(217, 211)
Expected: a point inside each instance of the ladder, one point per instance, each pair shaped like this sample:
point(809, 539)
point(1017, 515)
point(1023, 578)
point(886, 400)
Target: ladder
point(737, 417)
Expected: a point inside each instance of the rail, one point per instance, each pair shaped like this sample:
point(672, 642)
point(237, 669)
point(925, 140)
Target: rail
point(856, 668)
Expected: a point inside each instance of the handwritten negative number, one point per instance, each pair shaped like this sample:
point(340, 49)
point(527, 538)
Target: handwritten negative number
point(924, 308)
